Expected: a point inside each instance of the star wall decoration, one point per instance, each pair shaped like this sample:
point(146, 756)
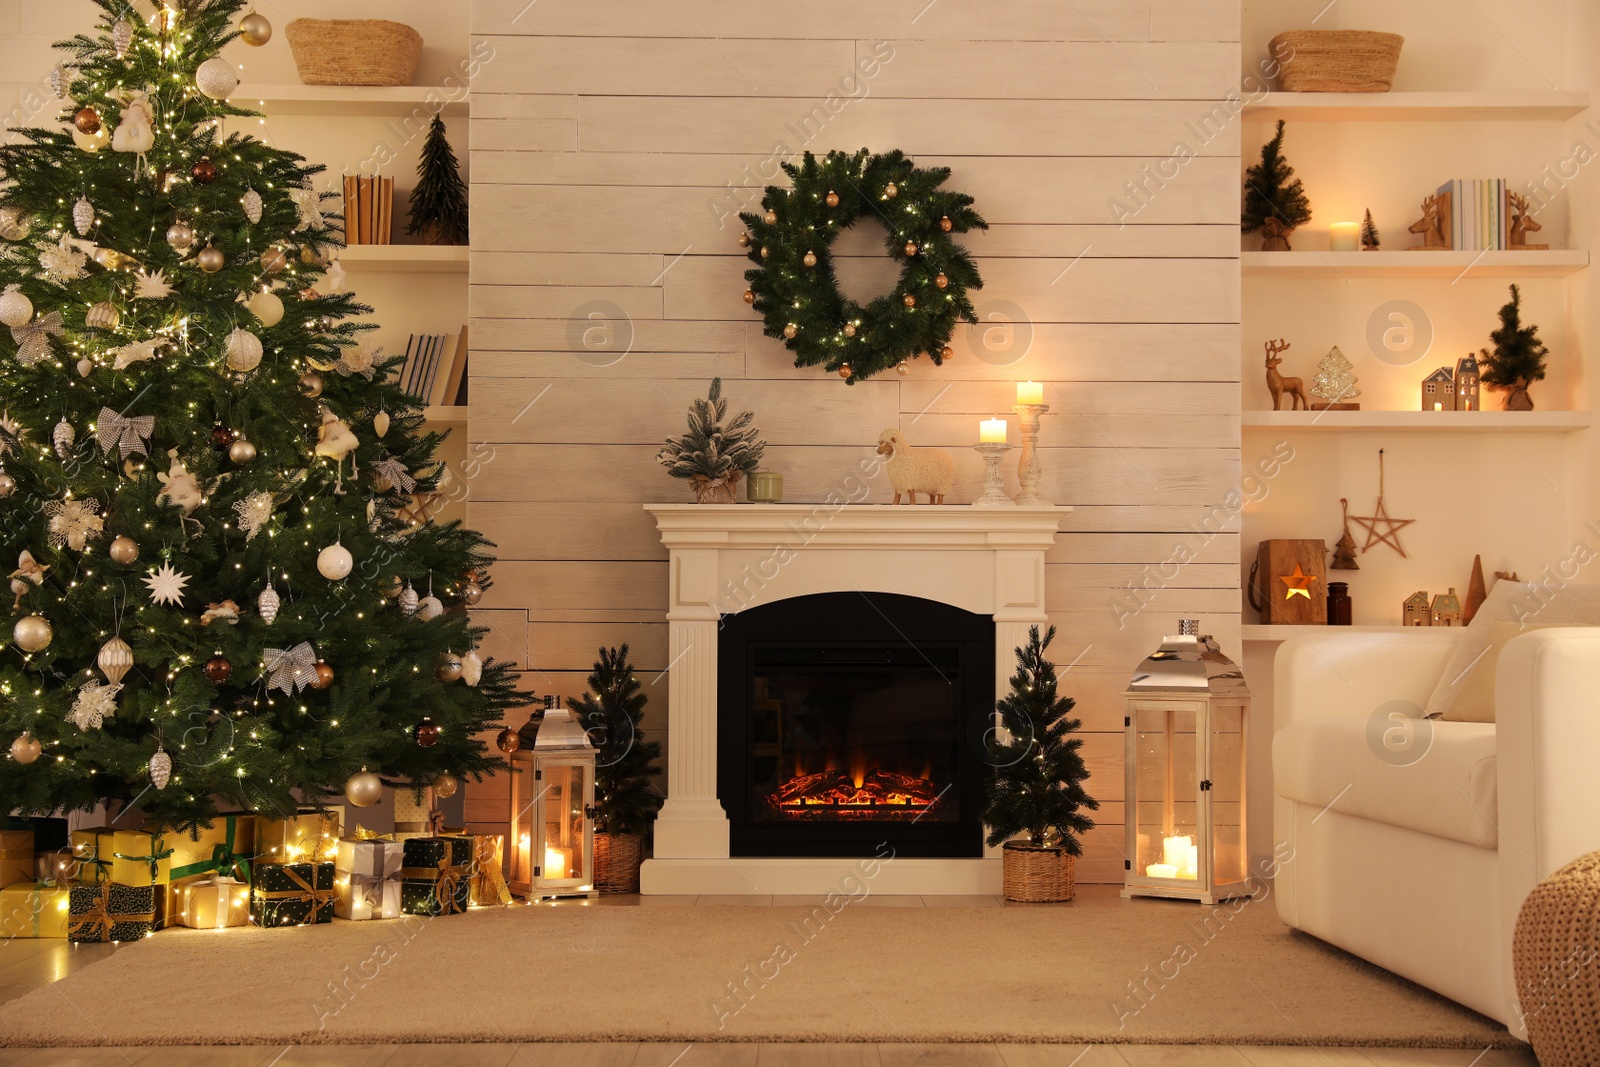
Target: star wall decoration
point(166, 585)
point(1299, 583)
point(1389, 534)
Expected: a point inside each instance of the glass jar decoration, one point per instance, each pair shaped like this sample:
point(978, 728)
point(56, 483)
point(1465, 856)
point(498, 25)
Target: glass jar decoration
point(552, 795)
point(1187, 740)
point(1340, 608)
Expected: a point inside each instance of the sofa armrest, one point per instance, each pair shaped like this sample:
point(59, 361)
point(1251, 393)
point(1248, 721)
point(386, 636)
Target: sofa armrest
point(1334, 671)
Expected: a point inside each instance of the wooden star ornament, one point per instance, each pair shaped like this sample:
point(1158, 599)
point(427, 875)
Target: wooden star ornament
point(1389, 534)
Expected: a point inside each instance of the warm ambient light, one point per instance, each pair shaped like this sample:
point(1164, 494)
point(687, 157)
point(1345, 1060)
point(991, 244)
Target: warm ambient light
point(1344, 237)
point(1438, 406)
point(1030, 393)
point(555, 863)
point(992, 431)
point(1181, 854)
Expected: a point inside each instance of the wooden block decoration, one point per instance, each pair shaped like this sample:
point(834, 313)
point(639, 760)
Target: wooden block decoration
point(1288, 582)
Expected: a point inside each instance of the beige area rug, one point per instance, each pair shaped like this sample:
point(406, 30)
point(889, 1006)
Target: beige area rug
point(1144, 972)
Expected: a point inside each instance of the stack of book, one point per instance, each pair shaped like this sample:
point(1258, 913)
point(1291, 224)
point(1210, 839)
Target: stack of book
point(368, 210)
point(435, 370)
point(1478, 215)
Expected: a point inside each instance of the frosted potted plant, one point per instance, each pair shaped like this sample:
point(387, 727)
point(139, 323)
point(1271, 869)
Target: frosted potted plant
point(625, 798)
point(713, 457)
point(1037, 788)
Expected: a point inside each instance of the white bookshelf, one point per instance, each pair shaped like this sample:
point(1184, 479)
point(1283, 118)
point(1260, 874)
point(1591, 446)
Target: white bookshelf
point(1419, 264)
point(1416, 107)
point(352, 100)
point(1418, 421)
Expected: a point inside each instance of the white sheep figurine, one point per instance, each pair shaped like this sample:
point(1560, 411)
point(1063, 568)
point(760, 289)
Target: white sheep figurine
point(915, 470)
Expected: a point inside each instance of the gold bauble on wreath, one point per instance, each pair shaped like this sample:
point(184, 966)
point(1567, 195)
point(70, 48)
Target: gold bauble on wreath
point(849, 329)
point(945, 224)
point(844, 370)
point(940, 281)
point(911, 248)
point(891, 190)
point(810, 259)
point(832, 199)
point(947, 353)
point(749, 297)
point(744, 240)
point(790, 330)
point(902, 368)
point(255, 30)
point(770, 216)
point(909, 300)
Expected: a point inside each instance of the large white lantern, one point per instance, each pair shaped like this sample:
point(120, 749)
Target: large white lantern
point(1186, 723)
point(552, 796)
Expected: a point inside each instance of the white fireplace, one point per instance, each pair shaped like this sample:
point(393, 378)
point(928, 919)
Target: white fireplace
point(724, 559)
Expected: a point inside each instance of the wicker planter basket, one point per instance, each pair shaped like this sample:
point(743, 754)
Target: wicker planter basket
point(708, 492)
point(1038, 875)
point(1552, 959)
point(354, 51)
point(1336, 61)
point(616, 862)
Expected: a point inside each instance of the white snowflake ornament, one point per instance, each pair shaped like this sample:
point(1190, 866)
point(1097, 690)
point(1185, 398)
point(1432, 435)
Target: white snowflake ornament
point(94, 704)
point(151, 286)
point(166, 585)
point(62, 262)
point(255, 511)
point(73, 522)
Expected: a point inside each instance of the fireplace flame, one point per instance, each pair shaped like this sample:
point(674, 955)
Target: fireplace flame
point(862, 793)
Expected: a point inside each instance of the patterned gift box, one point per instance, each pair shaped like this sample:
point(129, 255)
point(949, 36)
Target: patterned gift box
point(435, 875)
point(366, 879)
point(38, 909)
point(110, 912)
point(309, 837)
point(16, 857)
point(292, 894)
point(214, 902)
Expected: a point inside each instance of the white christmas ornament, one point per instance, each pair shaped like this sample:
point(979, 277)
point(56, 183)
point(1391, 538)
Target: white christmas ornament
point(267, 604)
point(380, 423)
point(73, 522)
point(334, 276)
point(160, 768)
point(429, 607)
point(15, 307)
point(63, 436)
point(216, 78)
point(267, 307)
point(60, 80)
point(472, 668)
point(334, 438)
point(28, 570)
point(91, 142)
point(94, 704)
point(136, 131)
point(82, 216)
point(407, 601)
point(125, 356)
point(151, 286)
point(166, 585)
point(309, 202)
point(178, 486)
point(252, 205)
point(115, 659)
point(243, 351)
point(121, 36)
point(335, 562)
point(255, 511)
point(85, 365)
point(62, 262)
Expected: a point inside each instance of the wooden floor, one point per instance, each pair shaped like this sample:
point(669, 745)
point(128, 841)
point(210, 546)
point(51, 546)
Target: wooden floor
point(27, 965)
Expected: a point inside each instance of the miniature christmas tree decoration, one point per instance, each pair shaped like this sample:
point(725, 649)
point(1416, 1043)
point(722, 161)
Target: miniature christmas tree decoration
point(1334, 383)
point(1369, 233)
point(439, 202)
point(1273, 204)
point(713, 457)
point(1344, 549)
point(1518, 358)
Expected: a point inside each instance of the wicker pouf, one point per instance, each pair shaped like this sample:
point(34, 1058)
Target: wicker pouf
point(1038, 875)
point(1336, 61)
point(1555, 955)
point(616, 862)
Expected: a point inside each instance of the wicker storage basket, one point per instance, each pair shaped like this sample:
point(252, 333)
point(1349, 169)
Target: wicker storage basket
point(616, 862)
point(1552, 958)
point(354, 51)
point(1038, 875)
point(1336, 61)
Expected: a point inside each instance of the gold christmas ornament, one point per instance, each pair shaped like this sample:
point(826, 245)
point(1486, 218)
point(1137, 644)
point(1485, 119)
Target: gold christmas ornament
point(26, 749)
point(791, 330)
point(448, 668)
point(211, 259)
point(940, 281)
point(324, 675)
point(364, 789)
point(947, 353)
point(8, 484)
point(255, 30)
point(91, 142)
point(32, 633)
point(945, 225)
point(849, 329)
point(744, 240)
point(180, 235)
point(810, 259)
point(267, 307)
point(832, 199)
point(115, 659)
point(770, 217)
point(909, 300)
point(102, 316)
point(471, 593)
point(911, 248)
point(765, 252)
point(124, 550)
point(87, 120)
point(311, 383)
point(243, 351)
point(844, 370)
point(241, 451)
point(891, 190)
point(902, 368)
point(274, 261)
point(445, 786)
point(14, 225)
point(749, 296)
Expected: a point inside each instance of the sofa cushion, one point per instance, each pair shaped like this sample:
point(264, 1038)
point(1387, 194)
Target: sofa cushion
point(1448, 791)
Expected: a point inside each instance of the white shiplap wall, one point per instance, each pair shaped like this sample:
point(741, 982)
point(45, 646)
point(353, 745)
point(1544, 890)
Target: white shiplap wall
point(611, 144)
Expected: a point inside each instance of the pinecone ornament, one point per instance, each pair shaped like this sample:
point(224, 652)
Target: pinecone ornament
point(408, 601)
point(64, 436)
point(122, 37)
point(267, 604)
point(160, 768)
point(82, 216)
point(252, 206)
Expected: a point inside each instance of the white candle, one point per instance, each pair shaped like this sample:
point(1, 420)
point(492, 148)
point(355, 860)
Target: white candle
point(1161, 870)
point(1175, 850)
point(992, 431)
point(1344, 237)
point(1030, 393)
point(555, 863)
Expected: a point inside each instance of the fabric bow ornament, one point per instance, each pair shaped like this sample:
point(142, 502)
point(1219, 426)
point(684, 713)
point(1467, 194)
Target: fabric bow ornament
point(290, 669)
point(129, 433)
point(390, 469)
point(33, 339)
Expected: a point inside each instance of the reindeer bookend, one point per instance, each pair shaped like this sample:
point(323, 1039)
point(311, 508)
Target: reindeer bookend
point(1522, 223)
point(1277, 384)
point(1434, 225)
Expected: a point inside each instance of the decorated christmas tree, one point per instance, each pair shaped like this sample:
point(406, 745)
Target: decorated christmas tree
point(625, 797)
point(1518, 357)
point(439, 202)
point(216, 605)
point(1334, 382)
point(1039, 773)
point(1272, 203)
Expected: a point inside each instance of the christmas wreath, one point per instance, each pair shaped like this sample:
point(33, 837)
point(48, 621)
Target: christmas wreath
point(793, 285)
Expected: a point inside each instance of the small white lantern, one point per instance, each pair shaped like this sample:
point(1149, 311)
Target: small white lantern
point(1187, 715)
point(552, 796)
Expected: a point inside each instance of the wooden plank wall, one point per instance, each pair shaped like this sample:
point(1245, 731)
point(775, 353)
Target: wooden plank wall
point(613, 143)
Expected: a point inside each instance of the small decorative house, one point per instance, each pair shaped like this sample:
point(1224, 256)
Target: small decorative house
point(1417, 611)
point(1439, 391)
point(1446, 610)
point(1467, 383)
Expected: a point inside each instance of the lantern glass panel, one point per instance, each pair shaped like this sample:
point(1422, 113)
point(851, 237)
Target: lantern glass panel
point(1227, 792)
point(563, 815)
point(1167, 792)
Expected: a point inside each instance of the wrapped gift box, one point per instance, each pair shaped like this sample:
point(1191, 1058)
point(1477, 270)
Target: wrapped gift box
point(93, 848)
point(37, 909)
point(435, 875)
point(110, 912)
point(291, 894)
point(126, 857)
point(309, 837)
point(17, 863)
point(214, 902)
point(366, 882)
point(489, 888)
point(49, 832)
point(225, 847)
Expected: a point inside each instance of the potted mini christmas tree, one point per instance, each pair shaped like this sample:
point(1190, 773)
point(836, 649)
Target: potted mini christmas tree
point(1272, 203)
point(439, 202)
point(1369, 234)
point(713, 457)
point(1037, 789)
point(625, 798)
point(1518, 357)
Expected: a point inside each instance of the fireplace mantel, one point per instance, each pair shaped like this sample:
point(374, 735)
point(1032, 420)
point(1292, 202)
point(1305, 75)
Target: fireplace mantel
point(724, 558)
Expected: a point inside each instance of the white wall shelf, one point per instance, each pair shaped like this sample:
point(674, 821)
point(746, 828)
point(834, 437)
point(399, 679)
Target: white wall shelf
point(1416, 107)
point(445, 415)
point(1406, 264)
point(406, 258)
point(1280, 632)
point(1422, 421)
point(344, 100)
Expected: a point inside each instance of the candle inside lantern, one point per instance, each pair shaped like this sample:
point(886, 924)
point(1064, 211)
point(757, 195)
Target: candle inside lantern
point(1182, 855)
point(1438, 406)
point(992, 431)
point(1344, 237)
point(1161, 870)
point(1030, 393)
point(555, 862)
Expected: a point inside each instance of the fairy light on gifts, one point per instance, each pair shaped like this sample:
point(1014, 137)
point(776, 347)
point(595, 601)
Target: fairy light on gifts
point(552, 800)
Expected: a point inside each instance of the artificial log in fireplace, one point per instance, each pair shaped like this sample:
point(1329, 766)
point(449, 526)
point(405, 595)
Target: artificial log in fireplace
point(852, 719)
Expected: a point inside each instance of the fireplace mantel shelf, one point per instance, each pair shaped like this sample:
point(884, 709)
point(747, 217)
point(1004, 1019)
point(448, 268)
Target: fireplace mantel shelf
point(851, 525)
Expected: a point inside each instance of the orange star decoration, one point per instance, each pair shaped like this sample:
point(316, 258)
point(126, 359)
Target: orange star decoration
point(1390, 534)
point(1299, 583)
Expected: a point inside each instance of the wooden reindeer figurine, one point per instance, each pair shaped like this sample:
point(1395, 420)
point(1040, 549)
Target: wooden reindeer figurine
point(1522, 223)
point(1434, 223)
point(1277, 384)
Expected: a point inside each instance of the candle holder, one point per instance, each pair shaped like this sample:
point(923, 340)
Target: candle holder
point(1028, 469)
point(994, 491)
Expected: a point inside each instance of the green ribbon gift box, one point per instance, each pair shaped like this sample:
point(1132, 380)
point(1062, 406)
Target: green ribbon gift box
point(126, 857)
point(292, 894)
point(436, 876)
point(34, 909)
point(110, 912)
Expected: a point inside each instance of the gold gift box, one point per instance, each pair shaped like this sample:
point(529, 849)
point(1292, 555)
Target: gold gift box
point(310, 837)
point(93, 848)
point(16, 857)
point(34, 909)
point(126, 857)
point(212, 903)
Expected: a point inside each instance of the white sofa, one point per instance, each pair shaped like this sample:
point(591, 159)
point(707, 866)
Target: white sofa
point(1420, 864)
